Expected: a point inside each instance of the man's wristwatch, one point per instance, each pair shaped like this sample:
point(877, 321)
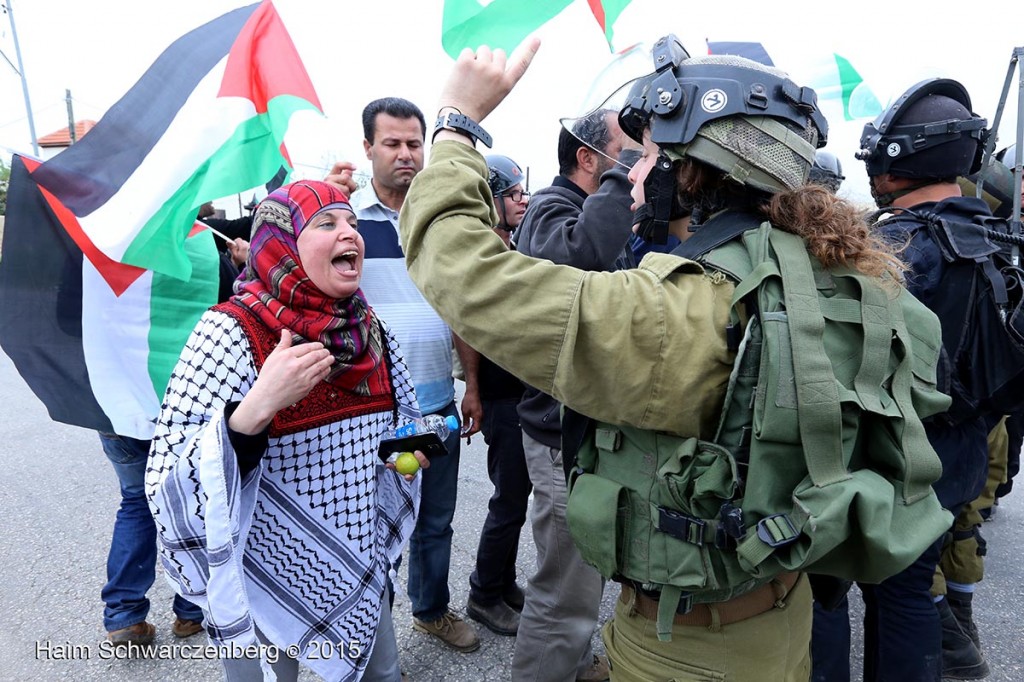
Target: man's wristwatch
point(463, 125)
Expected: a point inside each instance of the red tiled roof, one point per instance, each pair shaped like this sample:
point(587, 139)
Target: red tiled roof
point(61, 138)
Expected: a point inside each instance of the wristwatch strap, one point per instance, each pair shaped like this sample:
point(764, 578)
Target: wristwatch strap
point(462, 124)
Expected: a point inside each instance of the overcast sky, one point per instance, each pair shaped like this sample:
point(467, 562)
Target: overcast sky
point(358, 50)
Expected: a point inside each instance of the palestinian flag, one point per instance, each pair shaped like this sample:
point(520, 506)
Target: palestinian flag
point(207, 120)
point(94, 339)
point(606, 12)
point(841, 81)
point(506, 23)
point(831, 75)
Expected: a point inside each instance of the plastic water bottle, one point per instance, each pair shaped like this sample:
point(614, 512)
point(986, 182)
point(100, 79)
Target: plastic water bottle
point(432, 423)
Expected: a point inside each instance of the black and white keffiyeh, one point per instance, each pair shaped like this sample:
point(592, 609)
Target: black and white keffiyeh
point(300, 547)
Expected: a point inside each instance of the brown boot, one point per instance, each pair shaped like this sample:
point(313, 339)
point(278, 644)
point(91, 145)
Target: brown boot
point(140, 633)
point(451, 630)
point(183, 628)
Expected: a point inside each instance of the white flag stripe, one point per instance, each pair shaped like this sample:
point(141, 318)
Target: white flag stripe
point(115, 342)
point(203, 124)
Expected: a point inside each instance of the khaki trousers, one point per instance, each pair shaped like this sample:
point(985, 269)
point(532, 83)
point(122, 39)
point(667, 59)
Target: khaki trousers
point(775, 646)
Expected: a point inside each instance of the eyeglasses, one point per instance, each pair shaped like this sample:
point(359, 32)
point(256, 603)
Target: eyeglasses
point(517, 195)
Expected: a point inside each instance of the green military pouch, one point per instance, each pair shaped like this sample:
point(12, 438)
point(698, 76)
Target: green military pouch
point(775, 404)
point(597, 513)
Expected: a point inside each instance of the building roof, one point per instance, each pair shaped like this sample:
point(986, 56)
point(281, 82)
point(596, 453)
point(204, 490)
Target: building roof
point(61, 138)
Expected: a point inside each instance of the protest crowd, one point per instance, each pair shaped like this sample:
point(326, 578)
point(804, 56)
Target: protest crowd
point(717, 390)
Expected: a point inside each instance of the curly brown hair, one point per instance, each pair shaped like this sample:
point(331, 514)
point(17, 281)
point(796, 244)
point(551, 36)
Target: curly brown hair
point(835, 229)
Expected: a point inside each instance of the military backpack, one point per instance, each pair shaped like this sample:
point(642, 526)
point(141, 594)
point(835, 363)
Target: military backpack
point(820, 462)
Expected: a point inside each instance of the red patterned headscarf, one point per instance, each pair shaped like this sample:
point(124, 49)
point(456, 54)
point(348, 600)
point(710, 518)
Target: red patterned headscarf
point(277, 290)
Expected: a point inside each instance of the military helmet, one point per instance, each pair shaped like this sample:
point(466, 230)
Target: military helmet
point(742, 117)
point(929, 132)
point(826, 170)
point(504, 174)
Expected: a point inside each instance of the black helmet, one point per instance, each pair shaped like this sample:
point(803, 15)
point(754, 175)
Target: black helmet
point(742, 117)
point(826, 171)
point(929, 132)
point(504, 174)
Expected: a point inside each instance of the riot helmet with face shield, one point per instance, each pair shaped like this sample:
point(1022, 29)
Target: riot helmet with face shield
point(745, 119)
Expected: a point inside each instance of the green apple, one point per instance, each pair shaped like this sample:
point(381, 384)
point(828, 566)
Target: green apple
point(406, 463)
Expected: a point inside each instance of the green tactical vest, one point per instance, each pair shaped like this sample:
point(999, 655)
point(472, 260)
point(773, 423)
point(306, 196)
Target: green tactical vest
point(820, 462)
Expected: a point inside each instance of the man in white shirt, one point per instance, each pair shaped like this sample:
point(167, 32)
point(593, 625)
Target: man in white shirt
point(394, 131)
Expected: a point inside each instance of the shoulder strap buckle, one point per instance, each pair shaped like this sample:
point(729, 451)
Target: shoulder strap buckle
point(777, 530)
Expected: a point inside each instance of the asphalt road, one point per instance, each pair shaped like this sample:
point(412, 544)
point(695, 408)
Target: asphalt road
point(58, 496)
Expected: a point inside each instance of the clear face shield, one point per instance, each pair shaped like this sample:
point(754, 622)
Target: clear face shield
point(597, 125)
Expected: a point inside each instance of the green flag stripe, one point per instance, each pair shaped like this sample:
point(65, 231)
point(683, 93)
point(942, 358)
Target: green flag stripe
point(502, 24)
point(176, 305)
point(849, 79)
point(249, 158)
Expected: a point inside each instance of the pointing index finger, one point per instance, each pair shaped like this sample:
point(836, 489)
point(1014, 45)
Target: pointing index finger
point(521, 59)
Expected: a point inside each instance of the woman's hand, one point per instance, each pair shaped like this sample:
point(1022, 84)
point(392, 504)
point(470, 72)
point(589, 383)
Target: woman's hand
point(480, 80)
point(288, 375)
point(420, 457)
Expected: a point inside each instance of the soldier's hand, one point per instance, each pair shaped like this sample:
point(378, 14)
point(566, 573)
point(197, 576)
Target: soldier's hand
point(480, 80)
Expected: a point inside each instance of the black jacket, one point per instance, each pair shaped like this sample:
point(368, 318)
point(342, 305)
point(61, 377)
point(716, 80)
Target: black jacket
point(962, 447)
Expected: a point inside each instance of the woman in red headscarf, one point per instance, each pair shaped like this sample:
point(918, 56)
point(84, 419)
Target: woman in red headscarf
point(275, 514)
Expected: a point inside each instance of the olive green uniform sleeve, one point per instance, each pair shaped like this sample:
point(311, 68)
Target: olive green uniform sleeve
point(642, 347)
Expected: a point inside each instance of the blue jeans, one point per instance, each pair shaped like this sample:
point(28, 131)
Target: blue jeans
point(495, 573)
point(830, 643)
point(430, 547)
point(131, 563)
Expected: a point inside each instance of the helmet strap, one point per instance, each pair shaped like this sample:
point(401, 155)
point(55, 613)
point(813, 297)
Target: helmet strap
point(503, 218)
point(887, 199)
point(660, 202)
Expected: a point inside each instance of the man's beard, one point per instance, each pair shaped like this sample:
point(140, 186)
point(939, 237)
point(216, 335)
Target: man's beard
point(604, 163)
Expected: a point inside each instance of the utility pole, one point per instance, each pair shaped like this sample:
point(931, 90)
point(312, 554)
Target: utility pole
point(71, 117)
point(24, 83)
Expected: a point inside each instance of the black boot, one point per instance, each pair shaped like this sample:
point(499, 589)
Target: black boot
point(961, 660)
point(960, 605)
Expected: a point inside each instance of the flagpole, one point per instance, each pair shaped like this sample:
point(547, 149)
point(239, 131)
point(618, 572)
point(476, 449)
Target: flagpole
point(218, 233)
point(24, 82)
